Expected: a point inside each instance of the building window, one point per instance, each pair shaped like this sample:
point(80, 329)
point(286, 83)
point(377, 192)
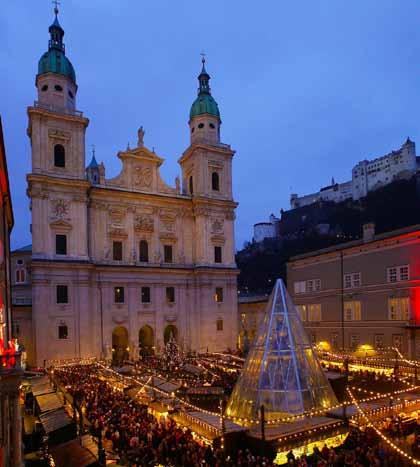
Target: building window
point(217, 254)
point(311, 285)
point(302, 310)
point(190, 185)
point(398, 273)
point(117, 251)
point(215, 181)
point(170, 294)
point(354, 341)
point(397, 341)
point(60, 244)
point(379, 341)
point(352, 311)
point(399, 309)
point(20, 276)
point(59, 156)
point(300, 287)
point(62, 294)
point(218, 296)
point(168, 253)
point(119, 294)
point(219, 325)
point(352, 280)
point(144, 251)
point(145, 294)
point(314, 312)
point(63, 331)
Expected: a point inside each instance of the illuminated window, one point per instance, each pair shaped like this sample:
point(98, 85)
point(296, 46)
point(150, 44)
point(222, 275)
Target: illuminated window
point(60, 244)
point(59, 156)
point(119, 294)
point(218, 296)
point(170, 294)
point(144, 251)
point(398, 273)
point(397, 341)
point(399, 309)
point(145, 294)
point(117, 251)
point(62, 294)
point(352, 311)
point(314, 312)
point(352, 280)
point(219, 325)
point(302, 309)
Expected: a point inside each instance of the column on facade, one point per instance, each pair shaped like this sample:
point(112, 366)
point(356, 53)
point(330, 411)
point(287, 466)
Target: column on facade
point(133, 327)
point(85, 306)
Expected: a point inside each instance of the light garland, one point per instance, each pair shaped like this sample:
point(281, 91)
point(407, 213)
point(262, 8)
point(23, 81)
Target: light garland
point(380, 434)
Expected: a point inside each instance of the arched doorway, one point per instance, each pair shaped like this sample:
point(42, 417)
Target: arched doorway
point(170, 331)
point(146, 341)
point(119, 345)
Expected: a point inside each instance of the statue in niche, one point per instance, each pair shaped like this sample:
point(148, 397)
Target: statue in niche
point(140, 140)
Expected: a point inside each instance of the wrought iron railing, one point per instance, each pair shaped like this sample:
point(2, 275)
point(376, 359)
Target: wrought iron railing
point(60, 110)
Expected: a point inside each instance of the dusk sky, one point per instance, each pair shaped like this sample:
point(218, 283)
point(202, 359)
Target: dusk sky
point(306, 89)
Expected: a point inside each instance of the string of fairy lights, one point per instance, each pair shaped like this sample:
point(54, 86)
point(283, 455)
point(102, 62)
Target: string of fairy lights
point(371, 396)
point(387, 440)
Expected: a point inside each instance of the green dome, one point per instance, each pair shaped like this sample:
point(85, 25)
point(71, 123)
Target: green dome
point(54, 61)
point(204, 104)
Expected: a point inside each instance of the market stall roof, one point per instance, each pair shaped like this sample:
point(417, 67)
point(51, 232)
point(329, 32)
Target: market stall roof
point(41, 386)
point(53, 421)
point(48, 402)
point(71, 453)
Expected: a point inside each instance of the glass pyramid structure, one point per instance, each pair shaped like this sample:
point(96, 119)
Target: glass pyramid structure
point(281, 371)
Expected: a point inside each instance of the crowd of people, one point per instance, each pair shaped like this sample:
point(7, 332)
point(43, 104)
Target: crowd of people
point(139, 439)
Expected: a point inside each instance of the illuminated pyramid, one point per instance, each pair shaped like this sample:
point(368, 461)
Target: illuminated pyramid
point(281, 371)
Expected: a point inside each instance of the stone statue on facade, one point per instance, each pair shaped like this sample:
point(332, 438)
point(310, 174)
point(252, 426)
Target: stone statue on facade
point(140, 139)
point(177, 184)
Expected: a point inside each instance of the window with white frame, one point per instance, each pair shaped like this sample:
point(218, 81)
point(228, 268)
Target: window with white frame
point(20, 276)
point(352, 311)
point(352, 280)
point(314, 312)
point(398, 273)
point(300, 287)
point(311, 285)
point(399, 308)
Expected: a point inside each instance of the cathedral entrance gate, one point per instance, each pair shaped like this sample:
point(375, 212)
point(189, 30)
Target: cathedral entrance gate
point(170, 331)
point(119, 345)
point(146, 341)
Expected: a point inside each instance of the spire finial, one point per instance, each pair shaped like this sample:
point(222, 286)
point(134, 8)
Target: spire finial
point(93, 150)
point(56, 3)
point(203, 61)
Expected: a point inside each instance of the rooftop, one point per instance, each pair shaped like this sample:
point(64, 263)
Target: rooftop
point(359, 242)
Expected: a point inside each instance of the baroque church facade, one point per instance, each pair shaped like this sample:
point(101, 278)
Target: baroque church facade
point(122, 265)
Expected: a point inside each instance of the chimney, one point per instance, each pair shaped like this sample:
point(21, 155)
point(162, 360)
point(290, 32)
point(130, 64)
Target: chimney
point(368, 232)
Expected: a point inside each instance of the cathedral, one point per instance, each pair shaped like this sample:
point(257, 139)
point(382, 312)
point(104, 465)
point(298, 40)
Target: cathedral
point(121, 266)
